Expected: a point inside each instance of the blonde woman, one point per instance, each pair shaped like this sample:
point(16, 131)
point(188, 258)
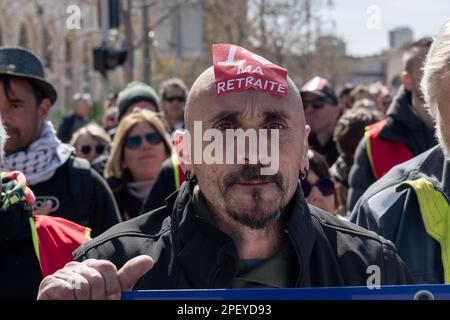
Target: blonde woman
point(90, 142)
point(140, 146)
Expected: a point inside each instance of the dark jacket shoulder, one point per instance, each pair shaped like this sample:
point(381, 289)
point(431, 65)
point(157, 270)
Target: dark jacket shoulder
point(395, 213)
point(78, 193)
point(163, 187)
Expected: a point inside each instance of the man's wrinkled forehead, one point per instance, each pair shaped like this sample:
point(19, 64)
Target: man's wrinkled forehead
point(204, 103)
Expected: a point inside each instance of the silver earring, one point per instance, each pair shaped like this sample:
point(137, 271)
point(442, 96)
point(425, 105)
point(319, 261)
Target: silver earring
point(304, 175)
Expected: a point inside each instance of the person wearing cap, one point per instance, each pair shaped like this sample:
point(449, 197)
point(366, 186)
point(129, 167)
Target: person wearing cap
point(64, 185)
point(76, 120)
point(406, 131)
point(410, 205)
point(230, 226)
point(322, 111)
point(136, 94)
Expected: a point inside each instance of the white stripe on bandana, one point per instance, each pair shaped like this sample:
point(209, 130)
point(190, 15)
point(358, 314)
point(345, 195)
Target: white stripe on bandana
point(40, 161)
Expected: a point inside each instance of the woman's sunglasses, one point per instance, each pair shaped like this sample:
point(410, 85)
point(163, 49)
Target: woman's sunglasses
point(326, 187)
point(87, 148)
point(178, 98)
point(134, 142)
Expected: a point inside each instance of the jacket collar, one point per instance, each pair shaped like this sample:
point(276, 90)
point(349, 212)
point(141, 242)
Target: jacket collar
point(195, 237)
point(301, 229)
point(436, 169)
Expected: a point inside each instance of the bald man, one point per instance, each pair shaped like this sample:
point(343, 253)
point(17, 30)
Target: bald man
point(230, 226)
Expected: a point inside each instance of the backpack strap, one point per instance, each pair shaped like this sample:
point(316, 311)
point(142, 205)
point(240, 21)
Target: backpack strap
point(81, 186)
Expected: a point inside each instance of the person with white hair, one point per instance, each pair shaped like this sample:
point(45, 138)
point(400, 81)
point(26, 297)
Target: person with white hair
point(410, 204)
point(76, 120)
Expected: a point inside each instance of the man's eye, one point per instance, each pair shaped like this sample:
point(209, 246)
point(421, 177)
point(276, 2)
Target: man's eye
point(15, 106)
point(274, 125)
point(225, 126)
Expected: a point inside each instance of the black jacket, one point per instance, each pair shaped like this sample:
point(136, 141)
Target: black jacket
point(18, 261)
point(329, 150)
point(129, 206)
point(402, 126)
point(191, 253)
point(395, 214)
point(92, 193)
point(163, 187)
point(69, 125)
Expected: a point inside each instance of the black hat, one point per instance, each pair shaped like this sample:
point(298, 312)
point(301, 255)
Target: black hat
point(320, 87)
point(22, 63)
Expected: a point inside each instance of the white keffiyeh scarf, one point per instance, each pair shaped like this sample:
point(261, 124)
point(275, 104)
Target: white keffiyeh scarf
point(40, 161)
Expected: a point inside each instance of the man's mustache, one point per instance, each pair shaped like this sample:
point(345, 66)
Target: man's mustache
point(251, 172)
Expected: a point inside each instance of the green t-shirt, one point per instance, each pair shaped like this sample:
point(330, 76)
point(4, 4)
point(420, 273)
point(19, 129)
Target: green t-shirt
point(279, 271)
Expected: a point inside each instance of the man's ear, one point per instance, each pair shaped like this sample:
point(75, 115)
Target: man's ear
point(406, 80)
point(44, 109)
point(182, 140)
point(304, 165)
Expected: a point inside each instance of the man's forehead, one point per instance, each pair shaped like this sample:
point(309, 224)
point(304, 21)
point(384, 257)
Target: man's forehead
point(243, 104)
point(16, 82)
point(16, 87)
point(204, 103)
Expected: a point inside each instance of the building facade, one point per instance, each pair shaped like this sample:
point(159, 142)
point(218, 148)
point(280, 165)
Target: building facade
point(62, 33)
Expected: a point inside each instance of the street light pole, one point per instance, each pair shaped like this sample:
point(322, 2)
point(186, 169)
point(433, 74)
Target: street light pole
point(147, 54)
point(104, 10)
point(129, 41)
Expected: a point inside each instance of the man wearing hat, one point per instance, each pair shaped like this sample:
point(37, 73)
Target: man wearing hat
point(231, 226)
point(322, 111)
point(64, 186)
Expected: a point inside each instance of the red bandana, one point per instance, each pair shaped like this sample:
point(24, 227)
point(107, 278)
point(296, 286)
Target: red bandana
point(236, 68)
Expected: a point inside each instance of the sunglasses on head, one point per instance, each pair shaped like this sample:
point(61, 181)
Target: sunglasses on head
point(178, 98)
point(326, 187)
point(87, 148)
point(134, 142)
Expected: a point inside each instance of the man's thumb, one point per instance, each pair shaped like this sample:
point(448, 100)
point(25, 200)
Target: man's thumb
point(133, 270)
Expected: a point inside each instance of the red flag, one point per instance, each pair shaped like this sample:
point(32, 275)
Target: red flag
point(54, 240)
point(236, 68)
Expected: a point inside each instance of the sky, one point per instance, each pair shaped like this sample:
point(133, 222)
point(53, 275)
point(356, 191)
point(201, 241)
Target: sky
point(365, 24)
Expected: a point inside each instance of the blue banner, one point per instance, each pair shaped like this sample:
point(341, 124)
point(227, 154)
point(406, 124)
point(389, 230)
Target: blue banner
point(405, 292)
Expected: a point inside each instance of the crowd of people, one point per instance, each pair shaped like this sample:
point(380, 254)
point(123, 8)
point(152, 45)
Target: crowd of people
point(366, 158)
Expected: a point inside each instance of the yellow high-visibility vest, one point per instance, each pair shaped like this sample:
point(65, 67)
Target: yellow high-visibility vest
point(435, 211)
